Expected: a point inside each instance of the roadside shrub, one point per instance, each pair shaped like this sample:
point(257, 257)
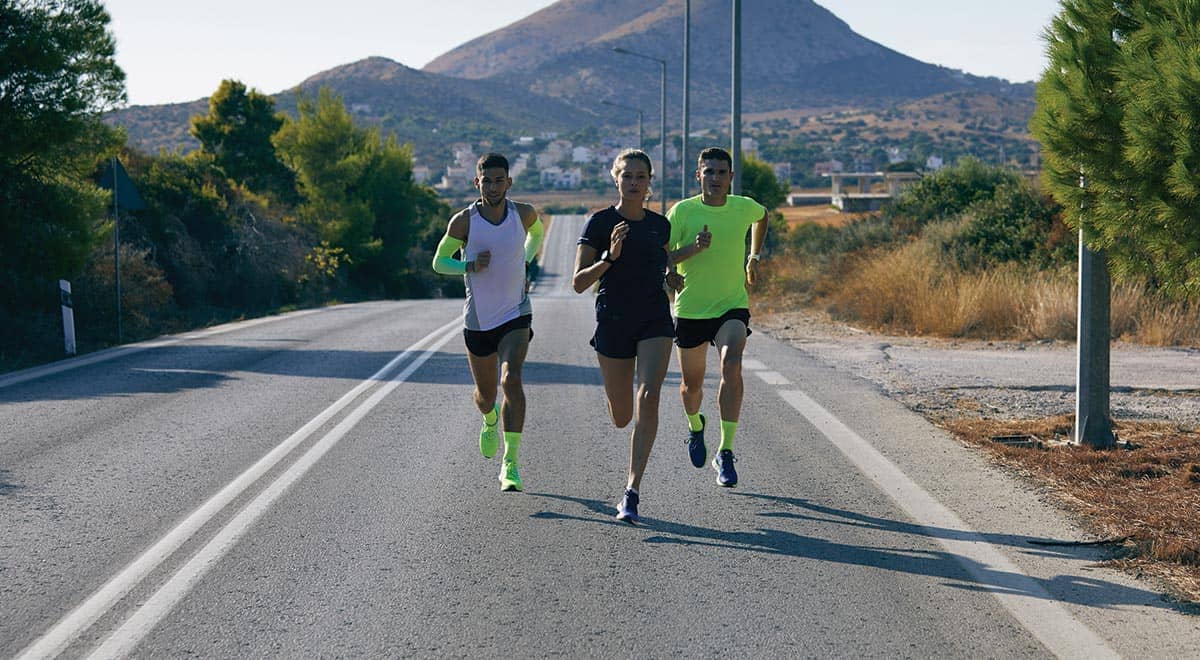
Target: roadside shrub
point(947, 192)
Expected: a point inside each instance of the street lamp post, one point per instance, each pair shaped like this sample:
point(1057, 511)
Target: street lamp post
point(687, 65)
point(639, 113)
point(662, 127)
point(735, 112)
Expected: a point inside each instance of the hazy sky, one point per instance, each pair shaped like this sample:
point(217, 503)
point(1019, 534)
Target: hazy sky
point(172, 54)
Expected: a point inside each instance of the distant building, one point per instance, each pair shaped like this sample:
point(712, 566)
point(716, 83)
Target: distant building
point(464, 155)
point(582, 154)
point(750, 146)
point(824, 167)
point(896, 155)
point(934, 163)
point(783, 171)
point(420, 173)
point(457, 178)
point(560, 179)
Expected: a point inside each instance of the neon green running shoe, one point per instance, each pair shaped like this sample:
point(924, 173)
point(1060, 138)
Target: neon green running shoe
point(509, 478)
point(489, 438)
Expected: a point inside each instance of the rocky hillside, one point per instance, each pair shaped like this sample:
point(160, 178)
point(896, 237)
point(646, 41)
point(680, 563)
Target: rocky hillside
point(795, 54)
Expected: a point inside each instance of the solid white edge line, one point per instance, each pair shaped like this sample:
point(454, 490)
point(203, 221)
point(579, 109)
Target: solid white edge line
point(1020, 594)
point(64, 633)
point(68, 364)
point(139, 624)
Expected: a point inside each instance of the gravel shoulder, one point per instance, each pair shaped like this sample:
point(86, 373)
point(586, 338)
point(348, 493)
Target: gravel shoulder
point(949, 379)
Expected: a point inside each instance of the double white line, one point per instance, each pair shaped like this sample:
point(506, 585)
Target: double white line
point(125, 638)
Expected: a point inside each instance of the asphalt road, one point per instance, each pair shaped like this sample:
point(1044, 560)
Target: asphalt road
point(310, 486)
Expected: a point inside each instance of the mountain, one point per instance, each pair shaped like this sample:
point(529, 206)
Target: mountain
point(550, 70)
point(427, 109)
point(795, 54)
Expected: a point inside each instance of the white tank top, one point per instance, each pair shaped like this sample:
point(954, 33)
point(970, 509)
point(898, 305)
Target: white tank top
point(496, 295)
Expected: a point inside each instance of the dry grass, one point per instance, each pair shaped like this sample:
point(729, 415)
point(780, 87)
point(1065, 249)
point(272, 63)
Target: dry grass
point(912, 290)
point(818, 214)
point(1145, 498)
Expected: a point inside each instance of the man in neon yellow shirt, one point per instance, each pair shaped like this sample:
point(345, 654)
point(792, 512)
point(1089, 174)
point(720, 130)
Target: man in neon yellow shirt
point(708, 242)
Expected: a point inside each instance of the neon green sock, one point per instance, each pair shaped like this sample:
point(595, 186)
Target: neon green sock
point(512, 441)
point(694, 422)
point(492, 416)
point(728, 430)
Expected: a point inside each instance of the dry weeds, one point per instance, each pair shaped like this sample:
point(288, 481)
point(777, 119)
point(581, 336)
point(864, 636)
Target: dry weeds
point(911, 290)
point(1145, 498)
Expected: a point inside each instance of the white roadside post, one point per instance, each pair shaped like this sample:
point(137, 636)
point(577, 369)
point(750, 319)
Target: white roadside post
point(68, 314)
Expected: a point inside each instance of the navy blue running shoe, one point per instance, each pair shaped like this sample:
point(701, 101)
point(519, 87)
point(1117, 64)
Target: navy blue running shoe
point(627, 509)
point(696, 449)
point(723, 464)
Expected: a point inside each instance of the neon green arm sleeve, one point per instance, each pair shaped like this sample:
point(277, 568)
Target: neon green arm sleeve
point(444, 261)
point(533, 240)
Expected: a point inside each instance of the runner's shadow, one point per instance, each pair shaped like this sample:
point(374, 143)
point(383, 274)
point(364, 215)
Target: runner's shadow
point(955, 570)
point(854, 519)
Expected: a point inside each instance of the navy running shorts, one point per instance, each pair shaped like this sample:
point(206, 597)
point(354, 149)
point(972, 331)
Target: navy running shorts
point(618, 338)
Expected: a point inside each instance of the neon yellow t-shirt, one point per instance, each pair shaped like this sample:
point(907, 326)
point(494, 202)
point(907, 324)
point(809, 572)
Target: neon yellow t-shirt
point(715, 279)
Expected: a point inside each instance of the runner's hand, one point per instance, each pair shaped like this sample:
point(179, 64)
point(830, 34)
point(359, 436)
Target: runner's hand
point(751, 271)
point(675, 281)
point(703, 239)
point(619, 234)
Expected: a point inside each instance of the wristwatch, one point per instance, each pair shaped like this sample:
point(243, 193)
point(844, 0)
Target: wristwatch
point(754, 257)
point(604, 256)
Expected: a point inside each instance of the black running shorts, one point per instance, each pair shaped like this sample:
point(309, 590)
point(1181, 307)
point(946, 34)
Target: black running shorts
point(690, 333)
point(483, 343)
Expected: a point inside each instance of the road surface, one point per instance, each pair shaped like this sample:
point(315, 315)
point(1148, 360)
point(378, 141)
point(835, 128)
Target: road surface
point(310, 485)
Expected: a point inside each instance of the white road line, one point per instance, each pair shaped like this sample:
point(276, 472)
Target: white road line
point(1018, 593)
point(64, 633)
point(112, 353)
point(753, 365)
point(773, 378)
point(123, 640)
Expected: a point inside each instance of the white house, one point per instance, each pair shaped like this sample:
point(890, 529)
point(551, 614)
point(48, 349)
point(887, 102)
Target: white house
point(582, 154)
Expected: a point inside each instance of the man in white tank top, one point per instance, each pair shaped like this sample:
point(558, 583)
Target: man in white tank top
point(497, 238)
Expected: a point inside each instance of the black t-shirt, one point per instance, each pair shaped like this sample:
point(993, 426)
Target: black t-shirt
point(632, 287)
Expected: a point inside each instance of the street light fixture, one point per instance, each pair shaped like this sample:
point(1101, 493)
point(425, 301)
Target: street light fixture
point(639, 113)
point(662, 143)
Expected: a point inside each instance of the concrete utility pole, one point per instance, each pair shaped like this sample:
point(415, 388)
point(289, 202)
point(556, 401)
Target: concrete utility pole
point(1093, 425)
point(735, 114)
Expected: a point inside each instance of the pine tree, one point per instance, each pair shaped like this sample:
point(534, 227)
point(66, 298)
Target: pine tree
point(237, 132)
point(1160, 90)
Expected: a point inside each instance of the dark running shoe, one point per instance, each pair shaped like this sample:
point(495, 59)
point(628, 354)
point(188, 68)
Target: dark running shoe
point(695, 442)
point(723, 464)
point(627, 509)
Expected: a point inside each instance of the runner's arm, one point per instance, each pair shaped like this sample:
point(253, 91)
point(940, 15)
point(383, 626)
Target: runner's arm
point(533, 240)
point(454, 239)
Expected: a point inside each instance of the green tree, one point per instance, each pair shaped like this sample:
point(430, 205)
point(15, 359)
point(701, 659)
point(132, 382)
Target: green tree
point(1079, 116)
point(57, 73)
point(1159, 86)
point(358, 193)
point(237, 132)
point(760, 184)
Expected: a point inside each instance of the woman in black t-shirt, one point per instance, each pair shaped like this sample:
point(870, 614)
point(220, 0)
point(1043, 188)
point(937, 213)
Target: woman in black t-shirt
point(624, 247)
